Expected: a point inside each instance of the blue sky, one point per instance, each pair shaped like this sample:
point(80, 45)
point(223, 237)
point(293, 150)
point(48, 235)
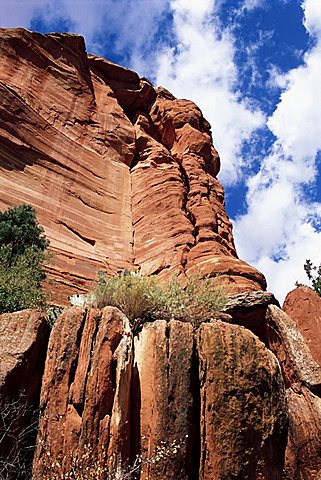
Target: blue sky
point(254, 68)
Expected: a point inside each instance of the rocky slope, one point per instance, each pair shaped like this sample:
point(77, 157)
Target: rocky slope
point(124, 175)
point(121, 175)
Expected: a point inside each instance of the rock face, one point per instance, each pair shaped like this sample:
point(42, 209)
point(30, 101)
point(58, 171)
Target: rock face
point(85, 392)
point(23, 343)
point(205, 403)
point(121, 175)
point(302, 377)
point(303, 305)
point(243, 407)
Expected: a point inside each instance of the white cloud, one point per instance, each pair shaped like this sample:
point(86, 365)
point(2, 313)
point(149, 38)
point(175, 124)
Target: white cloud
point(131, 24)
point(281, 221)
point(312, 14)
point(201, 68)
point(17, 13)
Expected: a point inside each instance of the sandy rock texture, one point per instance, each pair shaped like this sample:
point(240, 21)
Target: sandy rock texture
point(190, 402)
point(85, 391)
point(122, 175)
point(23, 344)
point(303, 305)
point(302, 378)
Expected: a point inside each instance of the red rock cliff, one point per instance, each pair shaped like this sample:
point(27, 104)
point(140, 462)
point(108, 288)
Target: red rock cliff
point(121, 174)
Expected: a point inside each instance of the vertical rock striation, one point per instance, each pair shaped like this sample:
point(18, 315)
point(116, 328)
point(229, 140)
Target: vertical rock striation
point(190, 402)
point(85, 397)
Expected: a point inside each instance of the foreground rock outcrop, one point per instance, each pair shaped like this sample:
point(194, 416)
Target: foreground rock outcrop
point(85, 391)
point(302, 378)
point(23, 345)
point(205, 402)
point(122, 175)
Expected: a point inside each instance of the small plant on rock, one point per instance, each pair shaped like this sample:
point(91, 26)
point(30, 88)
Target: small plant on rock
point(314, 275)
point(143, 299)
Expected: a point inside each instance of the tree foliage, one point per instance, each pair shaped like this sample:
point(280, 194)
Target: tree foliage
point(314, 275)
point(22, 254)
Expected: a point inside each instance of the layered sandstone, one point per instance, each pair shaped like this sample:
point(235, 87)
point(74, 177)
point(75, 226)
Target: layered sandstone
point(121, 175)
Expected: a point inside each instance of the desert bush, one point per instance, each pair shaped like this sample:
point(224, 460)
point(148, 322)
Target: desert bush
point(190, 298)
point(136, 296)
point(22, 255)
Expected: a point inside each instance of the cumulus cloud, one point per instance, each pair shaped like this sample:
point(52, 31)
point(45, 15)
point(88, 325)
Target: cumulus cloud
point(282, 225)
point(201, 67)
point(128, 27)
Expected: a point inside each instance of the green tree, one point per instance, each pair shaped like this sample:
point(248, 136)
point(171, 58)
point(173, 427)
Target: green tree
point(22, 254)
point(314, 275)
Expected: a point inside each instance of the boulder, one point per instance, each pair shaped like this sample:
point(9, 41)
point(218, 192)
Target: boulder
point(303, 305)
point(243, 411)
point(23, 344)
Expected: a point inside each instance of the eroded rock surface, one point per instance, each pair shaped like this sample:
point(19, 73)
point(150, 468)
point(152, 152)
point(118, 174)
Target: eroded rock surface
point(302, 377)
point(23, 343)
point(122, 175)
point(243, 406)
point(191, 402)
point(303, 305)
point(85, 392)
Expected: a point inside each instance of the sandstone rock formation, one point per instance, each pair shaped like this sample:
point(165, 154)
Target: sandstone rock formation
point(23, 344)
point(121, 175)
point(302, 378)
point(85, 391)
point(205, 402)
point(303, 305)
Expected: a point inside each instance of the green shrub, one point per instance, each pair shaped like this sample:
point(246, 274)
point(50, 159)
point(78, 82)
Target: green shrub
point(22, 254)
point(315, 278)
point(136, 296)
point(144, 298)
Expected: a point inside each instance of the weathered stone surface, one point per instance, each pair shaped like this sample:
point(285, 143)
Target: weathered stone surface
point(165, 410)
point(303, 305)
point(65, 147)
point(249, 309)
point(121, 175)
point(23, 343)
point(302, 376)
point(86, 388)
point(243, 407)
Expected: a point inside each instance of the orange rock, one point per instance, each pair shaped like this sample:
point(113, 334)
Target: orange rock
point(23, 342)
point(164, 411)
point(242, 405)
point(302, 377)
point(121, 175)
point(303, 305)
point(85, 398)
